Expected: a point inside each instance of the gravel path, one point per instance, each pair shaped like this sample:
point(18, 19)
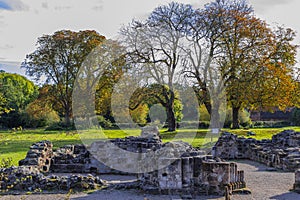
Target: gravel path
point(263, 184)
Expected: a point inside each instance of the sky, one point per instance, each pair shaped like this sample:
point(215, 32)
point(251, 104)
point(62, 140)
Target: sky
point(23, 21)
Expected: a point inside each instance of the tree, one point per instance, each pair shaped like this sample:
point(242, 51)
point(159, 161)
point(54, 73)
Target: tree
point(254, 60)
point(58, 58)
point(41, 111)
point(16, 92)
point(153, 48)
point(96, 79)
point(155, 94)
point(105, 86)
point(277, 75)
point(200, 69)
point(2, 104)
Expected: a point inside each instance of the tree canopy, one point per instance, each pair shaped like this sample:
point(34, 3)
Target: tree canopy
point(57, 60)
point(255, 61)
point(154, 49)
point(223, 47)
point(16, 91)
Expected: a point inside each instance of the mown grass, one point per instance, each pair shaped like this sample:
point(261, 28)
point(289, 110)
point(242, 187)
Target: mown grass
point(16, 144)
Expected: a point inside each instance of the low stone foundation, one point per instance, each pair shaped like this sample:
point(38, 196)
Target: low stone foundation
point(282, 152)
point(29, 178)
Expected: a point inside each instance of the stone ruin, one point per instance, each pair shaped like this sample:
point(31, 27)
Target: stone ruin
point(39, 155)
point(29, 178)
point(179, 167)
point(282, 152)
point(297, 181)
point(193, 175)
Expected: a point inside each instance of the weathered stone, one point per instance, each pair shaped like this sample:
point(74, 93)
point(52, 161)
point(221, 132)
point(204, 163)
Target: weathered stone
point(180, 167)
point(282, 152)
point(150, 132)
point(28, 178)
point(39, 155)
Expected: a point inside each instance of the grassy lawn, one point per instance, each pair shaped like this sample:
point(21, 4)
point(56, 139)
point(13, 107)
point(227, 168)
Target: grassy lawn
point(16, 145)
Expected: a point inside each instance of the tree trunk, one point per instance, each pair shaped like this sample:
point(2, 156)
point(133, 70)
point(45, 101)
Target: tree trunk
point(235, 118)
point(215, 118)
point(203, 98)
point(208, 107)
point(171, 119)
point(67, 118)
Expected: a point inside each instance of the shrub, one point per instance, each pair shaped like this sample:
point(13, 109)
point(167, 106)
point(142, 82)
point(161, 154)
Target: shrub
point(104, 123)
point(39, 115)
point(60, 126)
point(194, 124)
point(295, 118)
point(6, 162)
point(204, 124)
point(270, 124)
point(244, 118)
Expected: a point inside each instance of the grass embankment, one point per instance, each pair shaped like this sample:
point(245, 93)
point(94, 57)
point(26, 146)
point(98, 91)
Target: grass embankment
point(16, 144)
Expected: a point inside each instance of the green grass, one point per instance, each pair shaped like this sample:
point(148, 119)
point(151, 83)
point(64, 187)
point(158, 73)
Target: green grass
point(16, 145)
point(262, 133)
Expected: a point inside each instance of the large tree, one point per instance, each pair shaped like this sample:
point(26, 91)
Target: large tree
point(154, 47)
point(254, 60)
point(57, 60)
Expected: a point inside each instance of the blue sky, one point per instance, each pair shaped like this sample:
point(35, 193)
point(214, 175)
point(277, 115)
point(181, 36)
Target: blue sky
point(4, 6)
point(23, 21)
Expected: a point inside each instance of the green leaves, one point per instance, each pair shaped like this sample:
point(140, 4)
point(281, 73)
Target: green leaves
point(16, 92)
point(57, 59)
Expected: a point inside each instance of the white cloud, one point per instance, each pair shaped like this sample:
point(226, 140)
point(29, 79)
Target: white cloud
point(263, 6)
point(45, 5)
point(33, 18)
point(7, 46)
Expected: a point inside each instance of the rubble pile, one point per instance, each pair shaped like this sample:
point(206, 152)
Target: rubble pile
point(29, 178)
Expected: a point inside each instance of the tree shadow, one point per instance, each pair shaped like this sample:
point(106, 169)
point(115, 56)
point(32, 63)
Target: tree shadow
point(287, 196)
point(259, 166)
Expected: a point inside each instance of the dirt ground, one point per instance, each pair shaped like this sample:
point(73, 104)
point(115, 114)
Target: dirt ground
point(263, 184)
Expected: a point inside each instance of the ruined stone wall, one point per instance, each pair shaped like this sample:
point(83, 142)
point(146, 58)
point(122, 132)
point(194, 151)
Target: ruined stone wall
point(70, 159)
point(39, 156)
point(78, 159)
point(282, 152)
point(194, 175)
point(115, 152)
